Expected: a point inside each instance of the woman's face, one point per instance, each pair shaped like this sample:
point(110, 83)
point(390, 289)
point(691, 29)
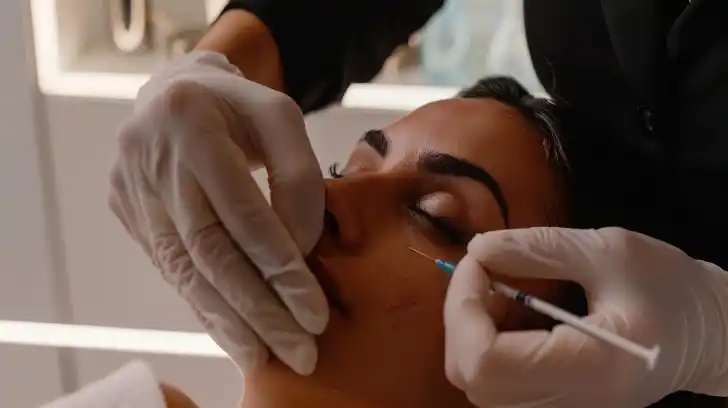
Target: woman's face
point(429, 181)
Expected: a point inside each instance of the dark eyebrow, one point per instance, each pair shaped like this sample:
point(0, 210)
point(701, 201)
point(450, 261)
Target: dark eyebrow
point(377, 140)
point(444, 164)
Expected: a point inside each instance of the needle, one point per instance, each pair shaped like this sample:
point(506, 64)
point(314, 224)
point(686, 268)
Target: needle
point(649, 355)
point(446, 266)
point(420, 253)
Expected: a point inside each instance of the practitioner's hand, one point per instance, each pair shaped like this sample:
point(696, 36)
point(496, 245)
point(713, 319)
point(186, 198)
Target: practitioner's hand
point(182, 188)
point(638, 287)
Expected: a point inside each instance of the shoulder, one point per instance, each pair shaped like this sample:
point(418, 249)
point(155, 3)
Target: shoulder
point(697, 48)
point(651, 73)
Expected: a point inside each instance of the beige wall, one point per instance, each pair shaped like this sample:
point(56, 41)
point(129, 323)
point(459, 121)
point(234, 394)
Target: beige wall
point(27, 285)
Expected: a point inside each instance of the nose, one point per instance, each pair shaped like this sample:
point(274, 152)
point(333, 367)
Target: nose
point(360, 207)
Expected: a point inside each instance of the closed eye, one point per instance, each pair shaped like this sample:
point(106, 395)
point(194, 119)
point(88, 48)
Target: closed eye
point(441, 225)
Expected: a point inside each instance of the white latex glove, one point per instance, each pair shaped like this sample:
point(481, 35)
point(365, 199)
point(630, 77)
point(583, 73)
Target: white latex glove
point(638, 287)
point(132, 386)
point(182, 187)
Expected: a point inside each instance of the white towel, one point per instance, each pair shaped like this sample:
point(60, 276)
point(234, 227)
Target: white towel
point(132, 386)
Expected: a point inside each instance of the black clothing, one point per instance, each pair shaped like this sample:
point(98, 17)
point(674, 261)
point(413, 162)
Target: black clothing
point(325, 45)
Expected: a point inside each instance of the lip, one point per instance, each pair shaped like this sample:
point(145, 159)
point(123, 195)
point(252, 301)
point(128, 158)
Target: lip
point(327, 282)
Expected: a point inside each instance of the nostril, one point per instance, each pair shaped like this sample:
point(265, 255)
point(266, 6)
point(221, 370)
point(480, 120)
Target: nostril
point(330, 223)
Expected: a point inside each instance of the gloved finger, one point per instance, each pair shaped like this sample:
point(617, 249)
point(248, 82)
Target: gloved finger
point(541, 253)
point(121, 200)
point(490, 365)
point(227, 270)
point(468, 326)
point(218, 318)
point(195, 66)
point(242, 208)
point(538, 363)
point(145, 217)
point(294, 174)
point(279, 138)
point(123, 215)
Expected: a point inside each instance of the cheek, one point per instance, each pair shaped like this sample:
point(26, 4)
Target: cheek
point(384, 282)
point(392, 328)
point(393, 301)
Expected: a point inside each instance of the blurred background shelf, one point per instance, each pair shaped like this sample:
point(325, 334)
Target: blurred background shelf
point(76, 54)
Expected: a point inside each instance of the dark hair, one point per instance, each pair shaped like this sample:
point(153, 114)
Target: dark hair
point(574, 160)
point(540, 112)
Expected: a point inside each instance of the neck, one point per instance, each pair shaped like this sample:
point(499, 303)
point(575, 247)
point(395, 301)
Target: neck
point(274, 386)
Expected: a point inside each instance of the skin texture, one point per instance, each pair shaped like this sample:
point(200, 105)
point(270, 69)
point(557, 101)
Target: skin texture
point(384, 346)
point(247, 44)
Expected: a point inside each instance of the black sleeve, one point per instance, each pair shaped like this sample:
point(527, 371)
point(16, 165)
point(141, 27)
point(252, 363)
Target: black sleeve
point(325, 45)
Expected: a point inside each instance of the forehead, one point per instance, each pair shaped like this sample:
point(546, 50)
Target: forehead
point(484, 131)
point(487, 133)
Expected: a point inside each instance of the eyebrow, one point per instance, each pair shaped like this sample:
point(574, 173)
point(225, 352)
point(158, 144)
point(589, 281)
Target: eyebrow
point(377, 140)
point(446, 165)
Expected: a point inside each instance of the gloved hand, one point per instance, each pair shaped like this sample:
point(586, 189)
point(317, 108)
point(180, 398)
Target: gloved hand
point(182, 188)
point(638, 287)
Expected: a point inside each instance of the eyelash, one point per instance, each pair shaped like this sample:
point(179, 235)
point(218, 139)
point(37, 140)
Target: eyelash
point(334, 171)
point(442, 224)
point(420, 214)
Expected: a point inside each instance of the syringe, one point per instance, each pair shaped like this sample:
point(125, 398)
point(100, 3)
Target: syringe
point(649, 355)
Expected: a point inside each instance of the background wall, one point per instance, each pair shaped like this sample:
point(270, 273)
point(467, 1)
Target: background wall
point(26, 282)
point(64, 258)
